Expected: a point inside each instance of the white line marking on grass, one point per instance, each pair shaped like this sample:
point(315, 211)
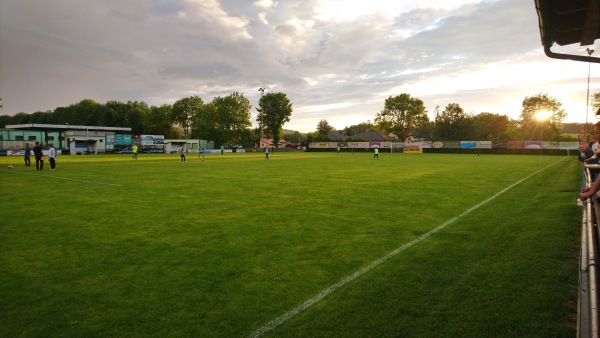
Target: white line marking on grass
point(70, 179)
point(283, 318)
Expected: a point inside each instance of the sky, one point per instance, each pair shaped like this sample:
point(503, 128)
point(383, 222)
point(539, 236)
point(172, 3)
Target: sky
point(336, 60)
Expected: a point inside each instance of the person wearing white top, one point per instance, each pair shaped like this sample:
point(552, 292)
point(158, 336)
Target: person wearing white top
point(52, 156)
point(593, 159)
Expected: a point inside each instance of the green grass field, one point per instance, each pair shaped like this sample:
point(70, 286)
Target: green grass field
point(235, 245)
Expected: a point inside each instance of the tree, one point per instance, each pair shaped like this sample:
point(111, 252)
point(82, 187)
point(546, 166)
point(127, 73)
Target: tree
point(453, 124)
point(224, 120)
point(158, 121)
point(292, 136)
point(85, 112)
point(136, 116)
point(274, 110)
point(595, 102)
point(490, 127)
point(247, 138)
point(541, 117)
point(324, 128)
point(115, 113)
point(401, 115)
point(42, 117)
point(184, 111)
point(356, 129)
point(5, 120)
point(21, 118)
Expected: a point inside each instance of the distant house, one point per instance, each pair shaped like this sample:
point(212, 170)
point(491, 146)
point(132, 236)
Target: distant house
point(268, 142)
point(369, 136)
point(572, 130)
point(338, 135)
point(293, 145)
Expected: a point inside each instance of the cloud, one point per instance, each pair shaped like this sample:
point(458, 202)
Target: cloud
point(336, 60)
point(265, 4)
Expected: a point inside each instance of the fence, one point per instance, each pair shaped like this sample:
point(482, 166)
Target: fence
point(588, 311)
point(527, 144)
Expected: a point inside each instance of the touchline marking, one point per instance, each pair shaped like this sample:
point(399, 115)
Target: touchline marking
point(70, 179)
point(283, 318)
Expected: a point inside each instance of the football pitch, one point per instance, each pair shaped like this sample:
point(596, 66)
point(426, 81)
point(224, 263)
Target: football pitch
point(301, 245)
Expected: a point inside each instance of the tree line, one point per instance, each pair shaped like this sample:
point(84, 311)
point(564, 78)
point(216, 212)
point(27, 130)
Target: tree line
point(226, 120)
point(406, 118)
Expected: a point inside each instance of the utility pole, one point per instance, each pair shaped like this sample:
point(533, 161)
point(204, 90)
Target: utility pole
point(587, 101)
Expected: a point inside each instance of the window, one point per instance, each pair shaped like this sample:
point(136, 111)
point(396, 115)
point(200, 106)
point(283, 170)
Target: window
point(30, 138)
point(50, 138)
point(19, 137)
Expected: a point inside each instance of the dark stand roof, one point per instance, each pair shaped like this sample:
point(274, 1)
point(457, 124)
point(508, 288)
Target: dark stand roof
point(566, 22)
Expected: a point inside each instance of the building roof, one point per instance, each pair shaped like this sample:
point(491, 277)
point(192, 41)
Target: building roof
point(370, 136)
point(567, 22)
point(270, 141)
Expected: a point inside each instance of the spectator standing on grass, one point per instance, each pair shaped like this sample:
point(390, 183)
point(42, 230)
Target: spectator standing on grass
point(27, 155)
point(222, 149)
point(182, 153)
point(38, 154)
point(376, 153)
point(134, 151)
point(52, 156)
point(266, 153)
point(42, 161)
point(201, 153)
point(338, 149)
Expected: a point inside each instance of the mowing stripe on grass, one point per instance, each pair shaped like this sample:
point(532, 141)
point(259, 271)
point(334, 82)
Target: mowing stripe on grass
point(283, 318)
point(54, 192)
point(70, 179)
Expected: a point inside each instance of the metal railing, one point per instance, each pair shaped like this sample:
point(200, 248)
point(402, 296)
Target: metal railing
point(588, 273)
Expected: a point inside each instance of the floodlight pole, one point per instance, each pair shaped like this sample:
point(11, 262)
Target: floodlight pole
point(587, 99)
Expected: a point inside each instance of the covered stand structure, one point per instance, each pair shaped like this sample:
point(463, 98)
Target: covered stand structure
point(562, 23)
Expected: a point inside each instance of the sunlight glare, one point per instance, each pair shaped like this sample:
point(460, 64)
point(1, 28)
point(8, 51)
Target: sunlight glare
point(542, 115)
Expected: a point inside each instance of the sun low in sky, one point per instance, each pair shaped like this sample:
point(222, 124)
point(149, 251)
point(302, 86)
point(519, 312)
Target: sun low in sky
point(335, 59)
point(542, 115)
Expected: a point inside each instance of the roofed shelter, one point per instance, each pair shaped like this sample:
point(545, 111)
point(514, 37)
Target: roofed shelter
point(75, 138)
point(566, 22)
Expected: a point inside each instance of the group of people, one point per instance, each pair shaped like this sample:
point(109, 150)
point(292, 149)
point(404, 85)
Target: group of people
point(39, 156)
point(590, 154)
point(182, 152)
